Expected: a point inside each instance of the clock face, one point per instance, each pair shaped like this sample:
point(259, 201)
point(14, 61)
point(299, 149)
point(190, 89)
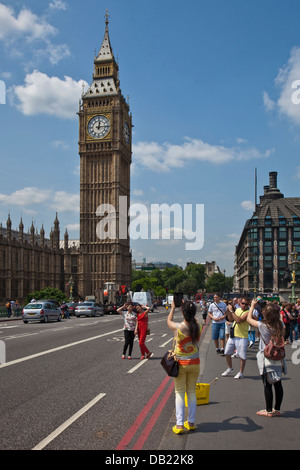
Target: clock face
point(126, 133)
point(98, 127)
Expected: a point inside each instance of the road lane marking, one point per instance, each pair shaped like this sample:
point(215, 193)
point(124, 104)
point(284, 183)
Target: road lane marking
point(138, 365)
point(144, 436)
point(67, 423)
point(164, 344)
point(141, 417)
point(49, 351)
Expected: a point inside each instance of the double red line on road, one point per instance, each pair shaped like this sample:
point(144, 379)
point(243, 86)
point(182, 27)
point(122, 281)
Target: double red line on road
point(125, 441)
point(123, 444)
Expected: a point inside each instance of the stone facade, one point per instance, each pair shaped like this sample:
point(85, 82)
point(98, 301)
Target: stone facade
point(266, 243)
point(29, 262)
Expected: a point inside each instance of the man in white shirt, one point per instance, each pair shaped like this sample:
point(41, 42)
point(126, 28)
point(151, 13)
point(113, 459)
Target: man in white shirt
point(217, 312)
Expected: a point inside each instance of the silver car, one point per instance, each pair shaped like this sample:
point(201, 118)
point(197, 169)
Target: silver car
point(41, 310)
point(89, 309)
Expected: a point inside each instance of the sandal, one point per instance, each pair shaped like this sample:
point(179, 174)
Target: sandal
point(276, 412)
point(188, 427)
point(269, 414)
point(176, 430)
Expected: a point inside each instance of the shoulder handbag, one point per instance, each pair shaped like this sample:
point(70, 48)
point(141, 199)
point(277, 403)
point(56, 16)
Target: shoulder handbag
point(274, 350)
point(169, 362)
point(231, 331)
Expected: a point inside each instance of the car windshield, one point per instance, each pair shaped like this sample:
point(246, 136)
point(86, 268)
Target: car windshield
point(33, 306)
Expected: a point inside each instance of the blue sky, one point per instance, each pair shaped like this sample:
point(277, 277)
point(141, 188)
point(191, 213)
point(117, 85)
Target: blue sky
point(210, 91)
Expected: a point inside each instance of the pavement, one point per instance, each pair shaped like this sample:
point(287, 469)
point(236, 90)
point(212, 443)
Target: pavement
point(229, 420)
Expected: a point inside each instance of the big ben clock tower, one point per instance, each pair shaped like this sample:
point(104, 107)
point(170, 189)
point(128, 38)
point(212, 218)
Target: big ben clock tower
point(105, 156)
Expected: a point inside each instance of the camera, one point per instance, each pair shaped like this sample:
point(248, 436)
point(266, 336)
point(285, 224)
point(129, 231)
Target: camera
point(178, 297)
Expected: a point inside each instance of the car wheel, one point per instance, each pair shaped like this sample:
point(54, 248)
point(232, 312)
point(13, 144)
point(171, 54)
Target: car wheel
point(45, 319)
point(59, 318)
point(25, 321)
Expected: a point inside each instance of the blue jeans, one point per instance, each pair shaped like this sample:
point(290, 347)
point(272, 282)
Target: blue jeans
point(294, 328)
point(218, 331)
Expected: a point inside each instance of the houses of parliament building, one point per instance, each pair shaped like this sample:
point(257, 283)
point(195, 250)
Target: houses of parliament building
point(30, 261)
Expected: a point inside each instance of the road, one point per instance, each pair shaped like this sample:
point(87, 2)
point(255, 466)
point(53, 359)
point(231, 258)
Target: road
point(64, 386)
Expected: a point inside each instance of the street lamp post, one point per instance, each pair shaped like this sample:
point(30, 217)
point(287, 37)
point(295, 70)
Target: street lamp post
point(294, 263)
point(71, 285)
point(254, 284)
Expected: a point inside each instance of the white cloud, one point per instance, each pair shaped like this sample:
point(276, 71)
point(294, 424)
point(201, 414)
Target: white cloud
point(163, 157)
point(26, 24)
point(58, 5)
point(48, 95)
point(29, 197)
point(287, 82)
point(248, 205)
point(269, 104)
point(26, 29)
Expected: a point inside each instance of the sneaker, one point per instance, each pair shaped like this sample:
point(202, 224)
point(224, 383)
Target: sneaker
point(129, 357)
point(123, 356)
point(143, 357)
point(239, 375)
point(218, 351)
point(251, 344)
point(227, 372)
point(150, 354)
point(222, 352)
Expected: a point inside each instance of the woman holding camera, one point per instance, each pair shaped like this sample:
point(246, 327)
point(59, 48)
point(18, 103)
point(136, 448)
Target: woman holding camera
point(270, 326)
point(129, 316)
point(187, 352)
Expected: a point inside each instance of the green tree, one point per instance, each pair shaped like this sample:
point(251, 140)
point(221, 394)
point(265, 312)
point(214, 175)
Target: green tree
point(219, 283)
point(196, 272)
point(187, 286)
point(48, 293)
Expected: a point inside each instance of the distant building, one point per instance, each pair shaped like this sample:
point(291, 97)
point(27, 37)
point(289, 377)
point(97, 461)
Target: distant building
point(266, 243)
point(144, 266)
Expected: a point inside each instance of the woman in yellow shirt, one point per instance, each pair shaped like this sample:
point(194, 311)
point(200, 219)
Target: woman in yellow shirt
point(187, 352)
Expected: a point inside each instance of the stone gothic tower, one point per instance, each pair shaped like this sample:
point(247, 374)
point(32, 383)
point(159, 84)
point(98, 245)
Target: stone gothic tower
point(105, 126)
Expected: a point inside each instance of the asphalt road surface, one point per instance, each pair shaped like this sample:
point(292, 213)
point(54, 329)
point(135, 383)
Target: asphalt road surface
point(64, 386)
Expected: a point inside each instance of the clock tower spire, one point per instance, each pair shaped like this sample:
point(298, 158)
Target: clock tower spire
point(105, 157)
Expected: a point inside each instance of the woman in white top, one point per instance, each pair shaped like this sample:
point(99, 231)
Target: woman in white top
point(130, 317)
point(270, 326)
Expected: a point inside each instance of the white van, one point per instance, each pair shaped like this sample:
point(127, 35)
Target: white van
point(143, 298)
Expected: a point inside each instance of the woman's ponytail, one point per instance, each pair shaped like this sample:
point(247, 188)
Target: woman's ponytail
point(189, 312)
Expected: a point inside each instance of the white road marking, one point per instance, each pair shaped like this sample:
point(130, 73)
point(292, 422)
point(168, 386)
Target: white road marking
point(67, 423)
point(143, 361)
point(49, 351)
point(163, 345)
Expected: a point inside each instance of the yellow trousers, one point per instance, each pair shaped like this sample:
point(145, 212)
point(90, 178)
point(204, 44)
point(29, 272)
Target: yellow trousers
point(186, 382)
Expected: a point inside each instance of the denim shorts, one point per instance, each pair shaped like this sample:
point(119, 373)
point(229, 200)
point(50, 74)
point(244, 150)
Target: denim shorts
point(218, 331)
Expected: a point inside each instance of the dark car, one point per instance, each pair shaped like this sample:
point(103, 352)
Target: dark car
point(110, 309)
point(71, 308)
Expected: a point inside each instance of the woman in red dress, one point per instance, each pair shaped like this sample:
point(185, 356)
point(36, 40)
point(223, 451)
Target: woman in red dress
point(141, 329)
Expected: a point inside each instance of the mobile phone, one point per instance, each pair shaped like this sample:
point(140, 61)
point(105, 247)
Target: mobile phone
point(178, 297)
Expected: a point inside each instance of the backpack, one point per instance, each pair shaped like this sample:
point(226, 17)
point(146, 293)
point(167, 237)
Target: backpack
point(274, 350)
point(8, 305)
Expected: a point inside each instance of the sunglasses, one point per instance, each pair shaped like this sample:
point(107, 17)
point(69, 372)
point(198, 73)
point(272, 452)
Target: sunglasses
point(244, 303)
